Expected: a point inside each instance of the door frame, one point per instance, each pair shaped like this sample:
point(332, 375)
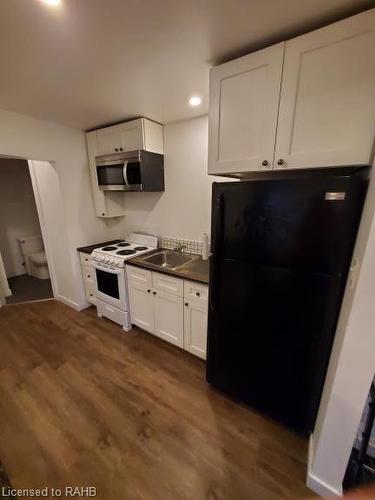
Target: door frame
point(32, 167)
point(42, 221)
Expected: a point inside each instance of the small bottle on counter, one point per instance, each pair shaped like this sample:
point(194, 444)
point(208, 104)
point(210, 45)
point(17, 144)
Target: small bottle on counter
point(205, 246)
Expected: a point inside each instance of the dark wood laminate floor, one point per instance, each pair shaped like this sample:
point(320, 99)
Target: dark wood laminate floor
point(83, 403)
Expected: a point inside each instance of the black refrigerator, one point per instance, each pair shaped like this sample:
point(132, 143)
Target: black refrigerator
point(281, 251)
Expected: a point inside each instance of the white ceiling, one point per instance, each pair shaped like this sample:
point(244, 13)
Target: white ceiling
point(93, 62)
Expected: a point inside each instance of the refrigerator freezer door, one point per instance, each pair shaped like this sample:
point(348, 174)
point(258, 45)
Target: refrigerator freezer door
point(307, 223)
point(270, 336)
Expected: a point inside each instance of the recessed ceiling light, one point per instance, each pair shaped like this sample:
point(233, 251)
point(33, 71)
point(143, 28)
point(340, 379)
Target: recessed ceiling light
point(195, 100)
point(53, 3)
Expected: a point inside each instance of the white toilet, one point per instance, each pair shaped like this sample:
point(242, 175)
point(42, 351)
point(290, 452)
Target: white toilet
point(32, 249)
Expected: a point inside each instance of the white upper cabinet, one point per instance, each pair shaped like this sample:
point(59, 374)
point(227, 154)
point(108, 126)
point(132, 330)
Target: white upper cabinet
point(244, 102)
point(129, 136)
point(327, 106)
point(123, 137)
point(321, 113)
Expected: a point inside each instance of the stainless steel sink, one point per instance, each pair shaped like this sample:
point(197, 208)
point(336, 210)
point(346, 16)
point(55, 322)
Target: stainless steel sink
point(168, 259)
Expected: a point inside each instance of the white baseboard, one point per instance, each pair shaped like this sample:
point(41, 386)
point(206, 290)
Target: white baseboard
point(316, 484)
point(83, 305)
point(320, 487)
point(71, 303)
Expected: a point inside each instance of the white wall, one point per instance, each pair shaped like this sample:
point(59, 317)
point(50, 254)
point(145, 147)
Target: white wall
point(25, 137)
point(18, 214)
point(351, 368)
point(183, 210)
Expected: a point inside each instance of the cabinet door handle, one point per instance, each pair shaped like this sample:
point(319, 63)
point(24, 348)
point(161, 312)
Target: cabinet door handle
point(154, 293)
point(265, 163)
point(116, 149)
point(280, 161)
point(121, 149)
point(197, 294)
point(89, 275)
point(186, 304)
point(148, 291)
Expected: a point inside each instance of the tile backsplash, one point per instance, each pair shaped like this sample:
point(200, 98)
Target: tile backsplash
point(191, 246)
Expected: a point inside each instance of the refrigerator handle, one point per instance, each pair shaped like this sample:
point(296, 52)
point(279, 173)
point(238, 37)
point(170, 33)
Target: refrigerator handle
point(216, 241)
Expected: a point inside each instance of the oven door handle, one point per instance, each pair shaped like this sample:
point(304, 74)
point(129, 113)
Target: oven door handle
point(107, 270)
point(125, 172)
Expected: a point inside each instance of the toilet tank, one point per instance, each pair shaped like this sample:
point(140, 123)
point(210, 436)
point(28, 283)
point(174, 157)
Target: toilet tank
point(31, 244)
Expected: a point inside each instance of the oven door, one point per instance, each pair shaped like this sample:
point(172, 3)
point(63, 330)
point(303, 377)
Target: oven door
point(110, 286)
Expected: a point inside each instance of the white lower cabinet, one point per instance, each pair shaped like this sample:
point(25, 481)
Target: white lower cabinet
point(141, 306)
point(88, 277)
point(195, 329)
point(169, 322)
point(157, 306)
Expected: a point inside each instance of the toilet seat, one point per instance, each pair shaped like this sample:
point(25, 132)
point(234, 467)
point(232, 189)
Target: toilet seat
point(38, 258)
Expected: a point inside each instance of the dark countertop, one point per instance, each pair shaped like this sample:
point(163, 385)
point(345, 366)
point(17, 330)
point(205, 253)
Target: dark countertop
point(196, 270)
point(90, 248)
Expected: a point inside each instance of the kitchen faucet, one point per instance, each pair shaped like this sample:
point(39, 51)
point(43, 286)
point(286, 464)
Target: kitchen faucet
point(180, 248)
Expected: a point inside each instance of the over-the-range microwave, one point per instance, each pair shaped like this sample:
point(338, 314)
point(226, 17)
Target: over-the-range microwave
point(131, 171)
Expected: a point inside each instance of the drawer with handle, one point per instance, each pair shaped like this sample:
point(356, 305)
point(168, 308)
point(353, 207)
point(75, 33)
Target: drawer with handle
point(195, 292)
point(85, 258)
point(168, 284)
point(88, 273)
point(139, 275)
point(90, 291)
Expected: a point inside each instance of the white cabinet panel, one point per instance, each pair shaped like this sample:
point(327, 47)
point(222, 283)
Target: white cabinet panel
point(123, 137)
point(153, 137)
point(167, 284)
point(139, 275)
point(327, 108)
point(90, 291)
point(88, 277)
point(196, 292)
point(169, 317)
point(85, 258)
point(130, 136)
point(141, 306)
point(107, 203)
point(108, 140)
point(195, 328)
point(244, 102)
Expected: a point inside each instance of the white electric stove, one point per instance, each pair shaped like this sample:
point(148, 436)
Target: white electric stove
point(112, 299)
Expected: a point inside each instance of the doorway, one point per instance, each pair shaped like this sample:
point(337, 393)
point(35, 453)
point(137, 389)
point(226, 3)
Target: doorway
point(23, 256)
